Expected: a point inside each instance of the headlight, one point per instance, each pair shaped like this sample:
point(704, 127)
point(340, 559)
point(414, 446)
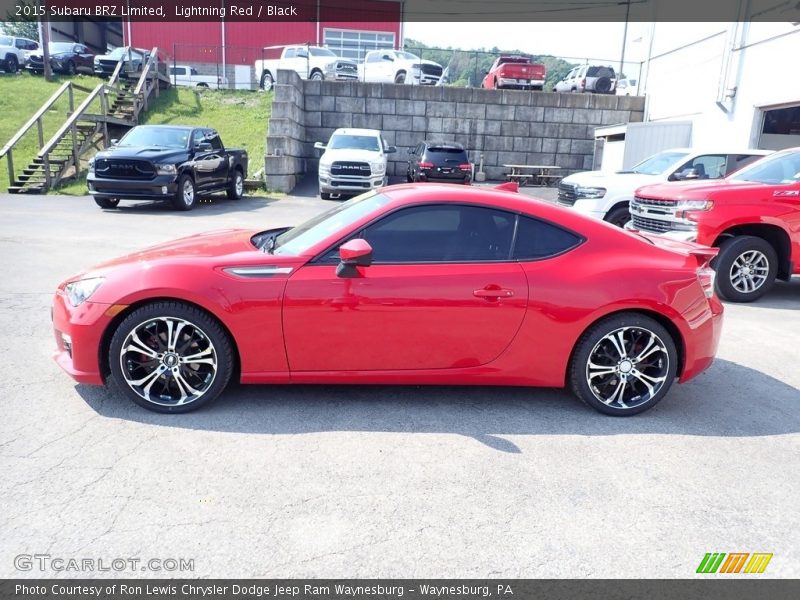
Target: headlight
point(590, 192)
point(91, 164)
point(79, 292)
point(331, 66)
point(694, 205)
point(378, 168)
point(166, 169)
point(324, 169)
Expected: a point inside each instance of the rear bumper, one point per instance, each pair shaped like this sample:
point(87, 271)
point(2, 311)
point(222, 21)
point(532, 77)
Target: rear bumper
point(458, 177)
point(84, 326)
point(159, 188)
point(520, 83)
point(702, 341)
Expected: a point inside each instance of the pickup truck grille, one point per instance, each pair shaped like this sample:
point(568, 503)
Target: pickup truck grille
point(123, 169)
point(566, 194)
point(347, 68)
point(434, 70)
point(653, 202)
point(357, 169)
point(650, 225)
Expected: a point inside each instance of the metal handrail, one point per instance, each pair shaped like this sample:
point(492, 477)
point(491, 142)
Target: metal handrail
point(38, 115)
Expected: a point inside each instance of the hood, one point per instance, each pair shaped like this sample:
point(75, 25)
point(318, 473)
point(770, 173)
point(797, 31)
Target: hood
point(144, 153)
point(695, 190)
point(602, 179)
point(350, 154)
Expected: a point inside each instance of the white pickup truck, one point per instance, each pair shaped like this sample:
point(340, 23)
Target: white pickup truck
point(398, 66)
point(310, 62)
point(188, 76)
point(354, 161)
point(607, 196)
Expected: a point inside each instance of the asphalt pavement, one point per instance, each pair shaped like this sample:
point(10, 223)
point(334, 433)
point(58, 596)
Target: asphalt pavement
point(378, 481)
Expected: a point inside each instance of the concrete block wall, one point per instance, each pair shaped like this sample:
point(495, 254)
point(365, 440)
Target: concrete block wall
point(504, 126)
point(287, 151)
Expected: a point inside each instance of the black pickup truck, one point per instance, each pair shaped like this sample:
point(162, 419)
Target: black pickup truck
point(166, 162)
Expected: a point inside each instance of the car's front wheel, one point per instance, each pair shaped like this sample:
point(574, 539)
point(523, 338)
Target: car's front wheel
point(619, 216)
point(106, 202)
point(12, 64)
point(170, 357)
point(624, 364)
point(746, 268)
point(186, 197)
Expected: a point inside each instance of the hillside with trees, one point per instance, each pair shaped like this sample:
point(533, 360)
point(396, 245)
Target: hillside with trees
point(467, 67)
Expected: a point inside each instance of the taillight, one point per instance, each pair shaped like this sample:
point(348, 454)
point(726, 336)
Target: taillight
point(706, 276)
point(583, 83)
point(466, 167)
point(425, 165)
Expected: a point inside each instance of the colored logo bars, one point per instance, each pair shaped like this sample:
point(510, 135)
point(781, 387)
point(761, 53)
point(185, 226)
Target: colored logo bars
point(736, 562)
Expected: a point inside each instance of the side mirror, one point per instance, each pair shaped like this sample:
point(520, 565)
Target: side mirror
point(387, 57)
point(391, 149)
point(685, 174)
point(114, 141)
point(203, 147)
point(319, 145)
point(412, 151)
point(353, 254)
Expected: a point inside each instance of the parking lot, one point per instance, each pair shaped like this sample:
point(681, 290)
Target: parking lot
point(345, 481)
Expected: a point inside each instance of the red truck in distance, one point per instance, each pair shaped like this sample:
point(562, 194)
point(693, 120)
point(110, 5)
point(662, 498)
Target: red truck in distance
point(515, 72)
point(752, 216)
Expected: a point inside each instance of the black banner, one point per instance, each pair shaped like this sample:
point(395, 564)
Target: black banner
point(713, 588)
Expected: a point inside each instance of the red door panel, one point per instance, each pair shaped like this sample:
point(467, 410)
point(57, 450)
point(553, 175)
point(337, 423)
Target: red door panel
point(400, 317)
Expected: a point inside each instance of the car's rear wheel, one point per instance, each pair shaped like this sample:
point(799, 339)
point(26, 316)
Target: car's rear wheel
point(12, 64)
point(400, 77)
point(266, 81)
point(624, 364)
point(236, 186)
point(70, 68)
point(186, 196)
point(746, 268)
point(619, 216)
point(106, 202)
point(170, 357)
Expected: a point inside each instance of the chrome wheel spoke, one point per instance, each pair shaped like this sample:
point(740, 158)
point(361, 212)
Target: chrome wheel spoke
point(600, 370)
point(648, 381)
point(137, 345)
point(184, 387)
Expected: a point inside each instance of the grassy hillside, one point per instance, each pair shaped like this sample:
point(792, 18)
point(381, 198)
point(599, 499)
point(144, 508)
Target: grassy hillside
point(240, 117)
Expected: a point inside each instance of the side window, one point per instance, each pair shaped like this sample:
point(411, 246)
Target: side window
point(290, 53)
point(708, 166)
point(198, 136)
point(537, 239)
point(213, 137)
point(442, 233)
point(193, 71)
point(737, 161)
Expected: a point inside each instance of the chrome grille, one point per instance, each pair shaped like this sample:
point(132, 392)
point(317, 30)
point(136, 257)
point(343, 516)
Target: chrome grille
point(653, 201)
point(346, 67)
point(651, 225)
point(566, 194)
point(435, 70)
point(357, 169)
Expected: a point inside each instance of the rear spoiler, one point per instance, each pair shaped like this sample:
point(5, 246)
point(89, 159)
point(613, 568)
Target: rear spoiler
point(508, 186)
point(703, 254)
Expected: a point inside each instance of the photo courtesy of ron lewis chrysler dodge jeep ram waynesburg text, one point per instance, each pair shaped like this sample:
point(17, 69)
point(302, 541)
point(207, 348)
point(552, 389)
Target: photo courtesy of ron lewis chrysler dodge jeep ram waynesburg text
point(166, 162)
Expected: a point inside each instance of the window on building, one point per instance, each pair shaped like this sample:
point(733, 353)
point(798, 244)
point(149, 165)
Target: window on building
point(354, 44)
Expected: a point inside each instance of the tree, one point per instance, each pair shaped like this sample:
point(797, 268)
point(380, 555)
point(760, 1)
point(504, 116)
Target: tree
point(25, 29)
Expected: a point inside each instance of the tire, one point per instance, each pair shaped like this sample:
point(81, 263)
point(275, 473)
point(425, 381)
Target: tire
point(602, 85)
point(400, 77)
point(236, 186)
point(746, 268)
point(267, 82)
point(618, 216)
point(186, 196)
point(71, 70)
point(325, 195)
point(12, 64)
point(106, 202)
point(317, 75)
point(163, 380)
point(203, 86)
point(640, 388)
point(409, 178)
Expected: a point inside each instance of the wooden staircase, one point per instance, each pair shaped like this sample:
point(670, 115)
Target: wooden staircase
point(121, 101)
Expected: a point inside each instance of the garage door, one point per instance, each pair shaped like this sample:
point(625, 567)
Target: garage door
point(781, 128)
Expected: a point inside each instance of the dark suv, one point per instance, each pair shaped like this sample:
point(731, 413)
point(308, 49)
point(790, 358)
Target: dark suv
point(446, 162)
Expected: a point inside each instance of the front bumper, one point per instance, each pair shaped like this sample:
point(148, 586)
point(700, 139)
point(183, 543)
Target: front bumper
point(423, 79)
point(84, 325)
point(341, 76)
point(336, 184)
point(161, 187)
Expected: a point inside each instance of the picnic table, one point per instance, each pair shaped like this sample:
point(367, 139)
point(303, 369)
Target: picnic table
point(534, 174)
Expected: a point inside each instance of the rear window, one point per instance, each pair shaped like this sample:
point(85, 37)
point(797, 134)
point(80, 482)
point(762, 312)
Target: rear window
point(448, 154)
point(537, 239)
point(600, 72)
point(520, 59)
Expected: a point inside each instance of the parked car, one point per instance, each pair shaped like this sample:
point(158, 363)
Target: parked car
point(628, 87)
point(515, 72)
point(439, 161)
point(753, 217)
point(310, 62)
point(412, 284)
point(589, 78)
point(188, 76)
point(14, 52)
point(165, 162)
point(132, 59)
point(398, 66)
point(354, 160)
point(606, 195)
point(65, 57)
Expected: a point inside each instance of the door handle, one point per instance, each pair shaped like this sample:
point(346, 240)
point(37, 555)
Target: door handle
point(493, 292)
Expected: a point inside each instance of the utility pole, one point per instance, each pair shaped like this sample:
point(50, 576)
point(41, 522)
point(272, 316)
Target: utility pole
point(624, 39)
point(44, 39)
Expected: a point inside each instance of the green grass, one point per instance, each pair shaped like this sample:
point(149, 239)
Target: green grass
point(21, 95)
point(241, 118)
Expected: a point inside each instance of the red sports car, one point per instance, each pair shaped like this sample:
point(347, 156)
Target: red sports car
point(432, 284)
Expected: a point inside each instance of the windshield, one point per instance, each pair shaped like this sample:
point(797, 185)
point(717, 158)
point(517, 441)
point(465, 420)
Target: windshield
point(782, 167)
point(407, 56)
point(321, 52)
point(57, 47)
point(5, 41)
point(354, 142)
point(298, 240)
point(120, 52)
point(162, 137)
point(658, 164)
